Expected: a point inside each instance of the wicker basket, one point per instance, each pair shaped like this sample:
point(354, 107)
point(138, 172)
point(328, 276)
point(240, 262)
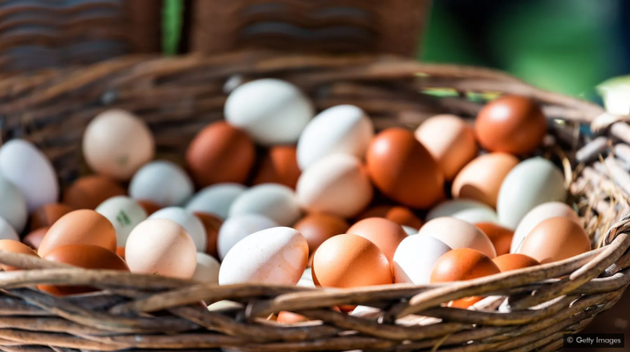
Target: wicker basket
point(177, 97)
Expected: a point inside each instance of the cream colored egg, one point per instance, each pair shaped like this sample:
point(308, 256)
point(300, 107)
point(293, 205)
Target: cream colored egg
point(464, 209)
point(207, 269)
point(12, 205)
point(236, 228)
point(415, 257)
point(161, 182)
point(274, 201)
point(216, 199)
point(7, 232)
point(536, 216)
point(124, 213)
point(457, 233)
point(194, 227)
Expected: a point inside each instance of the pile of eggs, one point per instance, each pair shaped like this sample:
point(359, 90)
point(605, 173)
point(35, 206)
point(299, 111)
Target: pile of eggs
point(287, 196)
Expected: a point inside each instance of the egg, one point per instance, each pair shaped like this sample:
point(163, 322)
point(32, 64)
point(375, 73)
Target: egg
point(403, 169)
point(317, 228)
point(410, 230)
point(216, 199)
point(348, 260)
point(538, 215)
point(117, 143)
point(14, 247)
point(514, 261)
point(236, 228)
point(481, 179)
point(275, 256)
point(457, 233)
point(148, 206)
point(83, 256)
point(161, 182)
point(270, 110)
point(464, 209)
point(34, 239)
point(28, 169)
point(124, 213)
point(385, 234)
point(450, 140)
point(161, 247)
point(337, 184)
point(401, 215)
point(555, 239)
point(220, 153)
point(193, 226)
point(89, 191)
point(277, 202)
point(530, 183)
point(511, 124)
point(13, 207)
point(79, 227)
point(48, 215)
point(120, 251)
point(279, 165)
point(7, 232)
point(415, 257)
point(285, 317)
point(211, 224)
point(207, 269)
point(500, 236)
point(343, 129)
point(307, 278)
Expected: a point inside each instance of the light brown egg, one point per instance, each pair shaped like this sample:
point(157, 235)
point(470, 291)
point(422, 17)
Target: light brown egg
point(398, 214)
point(14, 247)
point(149, 206)
point(385, 234)
point(500, 236)
point(79, 227)
point(279, 165)
point(120, 251)
point(285, 317)
point(555, 239)
point(34, 238)
point(48, 214)
point(481, 179)
point(457, 233)
point(89, 191)
point(350, 261)
point(403, 170)
point(212, 224)
point(319, 227)
point(450, 140)
point(514, 261)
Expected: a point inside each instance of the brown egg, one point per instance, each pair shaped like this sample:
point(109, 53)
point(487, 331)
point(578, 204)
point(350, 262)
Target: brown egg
point(34, 238)
point(450, 140)
point(514, 261)
point(402, 169)
point(83, 256)
point(319, 227)
point(79, 227)
point(212, 224)
point(48, 214)
point(500, 236)
point(385, 234)
point(89, 191)
point(120, 251)
point(279, 165)
point(481, 179)
point(555, 239)
point(285, 317)
point(149, 206)
point(350, 261)
point(511, 124)
point(220, 153)
point(14, 247)
point(398, 214)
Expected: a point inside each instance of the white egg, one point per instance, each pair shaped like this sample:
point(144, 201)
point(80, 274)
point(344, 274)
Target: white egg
point(216, 199)
point(410, 230)
point(7, 232)
point(530, 183)
point(124, 213)
point(464, 209)
point(415, 257)
point(536, 216)
point(307, 279)
point(194, 226)
point(236, 228)
point(366, 312)
point(12, 205)
point(344, 129)
point(277, 202)
point(161, 182)
point(276, 256)
point(207, 269)
point(271, 111)
point(28, 169)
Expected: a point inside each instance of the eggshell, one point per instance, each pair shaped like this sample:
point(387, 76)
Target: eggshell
point(457, 233)
point(236, 228)
point(555, 239)
point(28, 169)
point(14, 247)
point(536, 216)
point(317, 228)
point(450, 140)
point(211, 224)
point(162, 247)
point(220, 153)
point(530, 183)
point(193, 226)
point(79, 227)
point(12, 205)
point(83, 256)
point(385, 234)
point(271, 111)
point(117, 143)
point(120, 251)
point(7, 232)
point(398, 214)
point(34, 239)
point(415, 257)
point(514, 261)
point(124, 213)
point(216, 199)
point(48, 215)
point(279, 165)
point(285, 317)
point(337, 184)
point(511, 124)
point(277, 202)
point(348, 260)
point(403, 169)
point(148, 206)
point(161, 182)
point(307, 279)
point(276, 256)
point(481, 179)
point(410, 230)
point(500, 236)
point(464, 209)
point(207, 269)
point(89, 191)
point(343, 129)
